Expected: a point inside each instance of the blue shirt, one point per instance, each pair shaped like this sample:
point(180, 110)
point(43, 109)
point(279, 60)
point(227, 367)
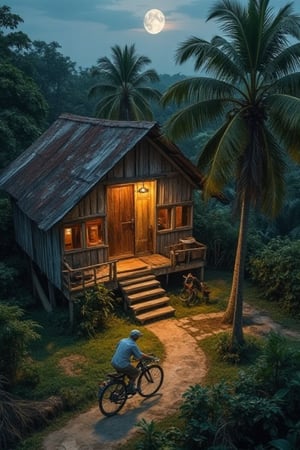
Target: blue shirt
point(126, 348)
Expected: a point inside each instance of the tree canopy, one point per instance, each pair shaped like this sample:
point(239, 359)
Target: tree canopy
point(23, 108)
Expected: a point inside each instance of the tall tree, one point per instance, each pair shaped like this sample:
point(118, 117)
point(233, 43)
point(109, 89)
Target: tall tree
point(53, 72)
point(12, 41)
point(123, 86)
point(252, 96)
point(23, 108)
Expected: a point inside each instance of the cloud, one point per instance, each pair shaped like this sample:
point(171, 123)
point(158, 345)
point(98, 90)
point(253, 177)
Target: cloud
point(86, 30)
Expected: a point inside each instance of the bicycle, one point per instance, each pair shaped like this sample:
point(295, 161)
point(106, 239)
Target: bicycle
point(192, 288)
point(112, 394)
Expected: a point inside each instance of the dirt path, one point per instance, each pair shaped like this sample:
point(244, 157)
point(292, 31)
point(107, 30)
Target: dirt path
point(92, 431)
point(185, 365)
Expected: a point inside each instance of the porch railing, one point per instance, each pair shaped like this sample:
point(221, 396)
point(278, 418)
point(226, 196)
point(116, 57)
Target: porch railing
point(80, 278)
point(186, 251)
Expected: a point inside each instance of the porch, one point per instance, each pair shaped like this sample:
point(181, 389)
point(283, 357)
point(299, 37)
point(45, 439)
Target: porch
point(136, 280)
point(187, 255)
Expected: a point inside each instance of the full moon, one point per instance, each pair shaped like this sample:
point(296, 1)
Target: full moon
point(154, 21)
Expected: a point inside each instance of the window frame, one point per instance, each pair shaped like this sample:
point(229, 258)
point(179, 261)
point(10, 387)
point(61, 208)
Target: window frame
point(189, 216)
point(99, 238)
point(173, 218)
point(82, 228)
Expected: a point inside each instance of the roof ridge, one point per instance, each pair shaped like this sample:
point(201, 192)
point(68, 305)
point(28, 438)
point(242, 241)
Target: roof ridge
point(108, 122)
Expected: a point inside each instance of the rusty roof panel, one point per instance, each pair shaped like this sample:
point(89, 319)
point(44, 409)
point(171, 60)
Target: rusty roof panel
point(69, 159)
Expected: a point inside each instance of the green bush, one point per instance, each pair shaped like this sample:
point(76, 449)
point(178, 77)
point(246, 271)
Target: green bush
point(28, 375)
point(93, 310)
point(276, 364)
point(259, 410)
point(234, 355)
point(155, 439)
point(15, 336)
point(276, 271)
point(8, 277)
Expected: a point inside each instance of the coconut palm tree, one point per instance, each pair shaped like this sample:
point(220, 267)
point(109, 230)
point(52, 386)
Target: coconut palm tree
point(252, 97)
point(123, 86)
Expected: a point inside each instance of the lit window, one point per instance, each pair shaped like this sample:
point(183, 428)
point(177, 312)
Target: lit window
point(182, 216)
point(164, 218)
point(94, 232)
point(72, 237)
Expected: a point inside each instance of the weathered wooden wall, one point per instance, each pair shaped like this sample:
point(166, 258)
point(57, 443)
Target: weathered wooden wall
point(44, 248)
point(143, 162)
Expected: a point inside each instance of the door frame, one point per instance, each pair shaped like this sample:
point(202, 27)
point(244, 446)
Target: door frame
point(144, 213)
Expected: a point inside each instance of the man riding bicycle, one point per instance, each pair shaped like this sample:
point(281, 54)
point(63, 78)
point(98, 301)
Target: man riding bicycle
point(121, 360)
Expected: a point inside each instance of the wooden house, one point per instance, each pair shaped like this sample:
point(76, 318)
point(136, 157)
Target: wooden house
point(97, 201)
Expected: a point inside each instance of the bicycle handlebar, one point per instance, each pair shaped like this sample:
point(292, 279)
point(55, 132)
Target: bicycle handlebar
point(146, 361)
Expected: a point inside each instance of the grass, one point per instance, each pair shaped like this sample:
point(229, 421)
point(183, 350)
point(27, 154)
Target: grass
point(219, 370)
point(219, 286)
point(79, 387)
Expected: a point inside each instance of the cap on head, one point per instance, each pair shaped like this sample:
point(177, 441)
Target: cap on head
point(135, 333)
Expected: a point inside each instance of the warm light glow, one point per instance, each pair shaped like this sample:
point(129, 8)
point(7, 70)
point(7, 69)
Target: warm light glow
point(68, 237)
point(154, 21)
point(143, 189)
point(72, 236)
point(94, 236)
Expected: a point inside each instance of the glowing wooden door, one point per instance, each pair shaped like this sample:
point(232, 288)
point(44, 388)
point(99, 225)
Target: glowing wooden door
point(144, 221)
point(121, 220)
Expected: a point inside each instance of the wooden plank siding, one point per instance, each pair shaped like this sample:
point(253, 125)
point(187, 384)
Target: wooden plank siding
point(43, 248)
point(82, 159)
point(46, 248)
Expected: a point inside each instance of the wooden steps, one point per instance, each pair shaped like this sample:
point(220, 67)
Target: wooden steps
point(144, 296)
point(136, 287)
point(156, 314)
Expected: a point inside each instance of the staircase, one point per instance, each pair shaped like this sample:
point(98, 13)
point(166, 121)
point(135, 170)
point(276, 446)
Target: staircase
point(144, 296)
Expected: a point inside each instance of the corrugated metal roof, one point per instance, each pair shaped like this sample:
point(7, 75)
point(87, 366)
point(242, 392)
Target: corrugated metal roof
point(70, 158)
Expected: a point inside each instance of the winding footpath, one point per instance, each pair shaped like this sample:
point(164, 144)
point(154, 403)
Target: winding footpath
point(184, 365)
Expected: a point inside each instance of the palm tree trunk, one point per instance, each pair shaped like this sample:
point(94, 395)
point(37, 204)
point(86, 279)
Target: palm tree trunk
point(234, 311)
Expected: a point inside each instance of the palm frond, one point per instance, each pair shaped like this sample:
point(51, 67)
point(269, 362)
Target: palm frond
point(108, 106)
point(198, 89)
point(221, 153)
point(286, 61)
point(274, 34)
point(229, 50)
point(140, 108)
point(229, 14)
point(273, 186)
point(284, 113)
point(149, 94)
point(146, 77)
point(233, 20)
point(284, 117)
point(193, 118)
point(101, 90)
point(289, 85)
point(209, 57)
point(192, 47)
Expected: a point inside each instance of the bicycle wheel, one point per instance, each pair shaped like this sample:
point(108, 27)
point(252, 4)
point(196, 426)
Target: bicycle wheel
point(150, 380)
point(194, 297)
point(185, 297)
point(112, 398)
